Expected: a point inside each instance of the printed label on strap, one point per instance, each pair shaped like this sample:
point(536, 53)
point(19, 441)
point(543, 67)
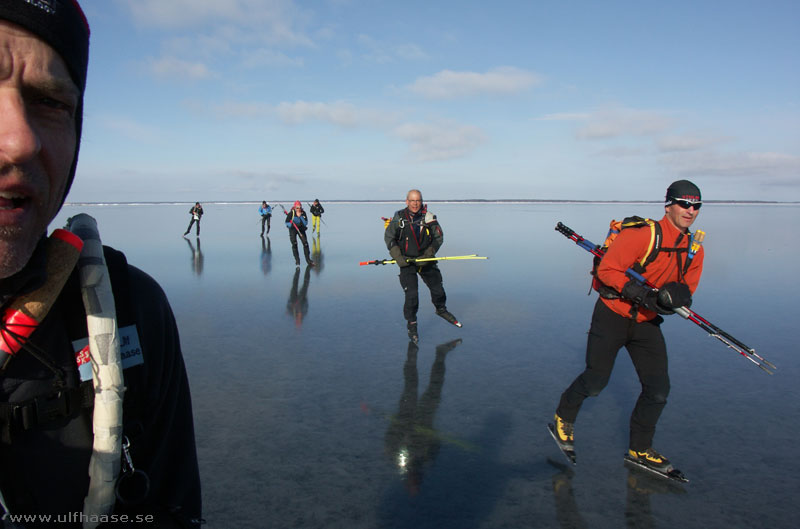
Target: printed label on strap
point(130, 352)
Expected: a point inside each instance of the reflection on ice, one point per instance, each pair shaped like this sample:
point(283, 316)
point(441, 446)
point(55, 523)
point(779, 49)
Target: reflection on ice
point(282, 439)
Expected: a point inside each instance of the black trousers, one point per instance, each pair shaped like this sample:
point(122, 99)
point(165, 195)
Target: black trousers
point(190, 226)
point(265, 220)
point(648, 351)
point(294, 234)
point(432, 277)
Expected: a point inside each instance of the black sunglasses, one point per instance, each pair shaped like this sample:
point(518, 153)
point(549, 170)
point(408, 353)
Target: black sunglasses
point(686, 204)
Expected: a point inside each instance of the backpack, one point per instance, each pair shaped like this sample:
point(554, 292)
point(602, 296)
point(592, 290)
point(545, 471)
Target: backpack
point(653, 249)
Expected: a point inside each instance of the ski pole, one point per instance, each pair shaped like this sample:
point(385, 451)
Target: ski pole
point(685, 312)
point(422, 259)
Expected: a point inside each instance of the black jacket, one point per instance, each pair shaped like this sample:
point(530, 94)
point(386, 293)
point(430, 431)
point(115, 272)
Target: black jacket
point(316, 209)
point(413, 233)
point(44, 464)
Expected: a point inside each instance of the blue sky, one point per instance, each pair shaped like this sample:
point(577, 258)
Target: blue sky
point(355, 99)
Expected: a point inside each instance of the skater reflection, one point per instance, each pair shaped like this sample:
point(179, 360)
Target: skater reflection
point(641, 486)
point(316, 253)
point(411, 441)
point(266, 255)
point(197, 256)
point(297, 305)
point(567, 512)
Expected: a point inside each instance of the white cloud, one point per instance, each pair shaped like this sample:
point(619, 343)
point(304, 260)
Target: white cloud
point(685, 143)
point(623, 152)
point(132, 129)
point(276, 21)
point(449, 84)
point(566, 116)
point(619, 121)
point(340, 113)
point(180, 69)
point(383, 53)
point(238, 110)
point(440, 141)
point(759, 165)
point(266, 57)
point(410, 52)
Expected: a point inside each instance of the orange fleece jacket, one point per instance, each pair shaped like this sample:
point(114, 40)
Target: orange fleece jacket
point(629, 247)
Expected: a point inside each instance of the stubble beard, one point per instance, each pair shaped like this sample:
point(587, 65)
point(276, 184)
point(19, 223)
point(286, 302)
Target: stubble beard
point(15, 251)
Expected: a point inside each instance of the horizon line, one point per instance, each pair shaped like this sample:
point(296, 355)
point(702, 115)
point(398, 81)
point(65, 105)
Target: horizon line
point(440, 201)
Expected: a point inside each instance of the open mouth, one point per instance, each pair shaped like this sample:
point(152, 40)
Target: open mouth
point(12, 200)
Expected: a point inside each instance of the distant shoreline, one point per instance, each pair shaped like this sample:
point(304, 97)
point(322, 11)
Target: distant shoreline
point(455, 201)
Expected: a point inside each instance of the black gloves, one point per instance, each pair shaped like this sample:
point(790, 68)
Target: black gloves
point(664, 301)
point(641, 295)
point(428, 253)
point(397, 255)
point(674, 295)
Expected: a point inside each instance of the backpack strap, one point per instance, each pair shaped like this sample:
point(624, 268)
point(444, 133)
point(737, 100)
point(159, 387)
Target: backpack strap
point(689, 250)
point(653, 246)
point(132, 404)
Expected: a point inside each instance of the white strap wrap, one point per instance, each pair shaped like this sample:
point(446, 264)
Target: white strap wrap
point(101, 319)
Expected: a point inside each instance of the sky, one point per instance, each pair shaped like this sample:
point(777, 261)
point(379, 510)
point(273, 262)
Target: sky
point(250, 100)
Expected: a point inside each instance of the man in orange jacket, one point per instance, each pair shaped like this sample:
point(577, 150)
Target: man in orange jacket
point(632, 319)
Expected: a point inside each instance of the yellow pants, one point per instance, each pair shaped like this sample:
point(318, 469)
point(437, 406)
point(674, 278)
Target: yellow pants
point(315, 223)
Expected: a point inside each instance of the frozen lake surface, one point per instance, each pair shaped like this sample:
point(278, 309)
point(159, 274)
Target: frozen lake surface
point(309, 401)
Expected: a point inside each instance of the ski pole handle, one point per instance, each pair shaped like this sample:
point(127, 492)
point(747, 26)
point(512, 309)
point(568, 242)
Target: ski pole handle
point(565, 230)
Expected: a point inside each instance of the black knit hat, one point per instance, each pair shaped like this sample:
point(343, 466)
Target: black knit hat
point(62, 25)
point(682, 190)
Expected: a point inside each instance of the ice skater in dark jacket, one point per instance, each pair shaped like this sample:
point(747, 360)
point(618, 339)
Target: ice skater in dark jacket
point(197, 213)
point(297, 222)
point(412, 233)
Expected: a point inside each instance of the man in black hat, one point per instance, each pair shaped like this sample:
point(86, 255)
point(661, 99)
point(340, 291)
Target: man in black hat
point(46, 407)
point(627, 314)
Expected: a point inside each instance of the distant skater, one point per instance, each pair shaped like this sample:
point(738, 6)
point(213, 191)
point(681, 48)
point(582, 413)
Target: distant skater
point(297, 223)
point(412, 233)
point(266, 214)
point(196, 212)
point(316, 215)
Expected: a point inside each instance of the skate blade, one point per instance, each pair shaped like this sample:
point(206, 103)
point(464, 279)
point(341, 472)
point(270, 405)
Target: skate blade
point(454, 322)
point(673, 475)
point(569, 454)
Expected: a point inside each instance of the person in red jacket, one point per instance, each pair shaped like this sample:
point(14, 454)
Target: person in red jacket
point(632, 319)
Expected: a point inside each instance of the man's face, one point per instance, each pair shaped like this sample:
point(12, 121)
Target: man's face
point(38, 102)
point(414, 202)
point(680, 217)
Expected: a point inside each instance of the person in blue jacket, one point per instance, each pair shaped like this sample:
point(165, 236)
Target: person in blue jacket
point(266, 214)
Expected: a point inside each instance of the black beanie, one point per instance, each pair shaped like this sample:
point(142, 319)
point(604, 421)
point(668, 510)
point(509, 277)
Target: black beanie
point(682, 190)
point(62, 25)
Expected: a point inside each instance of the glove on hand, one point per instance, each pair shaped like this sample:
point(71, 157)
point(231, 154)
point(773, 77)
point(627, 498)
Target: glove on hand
point(429, 252)
point(673, 295)
point(397, 255)
point(643, 296)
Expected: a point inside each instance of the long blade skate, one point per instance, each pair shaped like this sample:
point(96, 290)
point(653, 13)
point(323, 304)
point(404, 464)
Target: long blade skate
point(674, 474)
point(568, 451)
